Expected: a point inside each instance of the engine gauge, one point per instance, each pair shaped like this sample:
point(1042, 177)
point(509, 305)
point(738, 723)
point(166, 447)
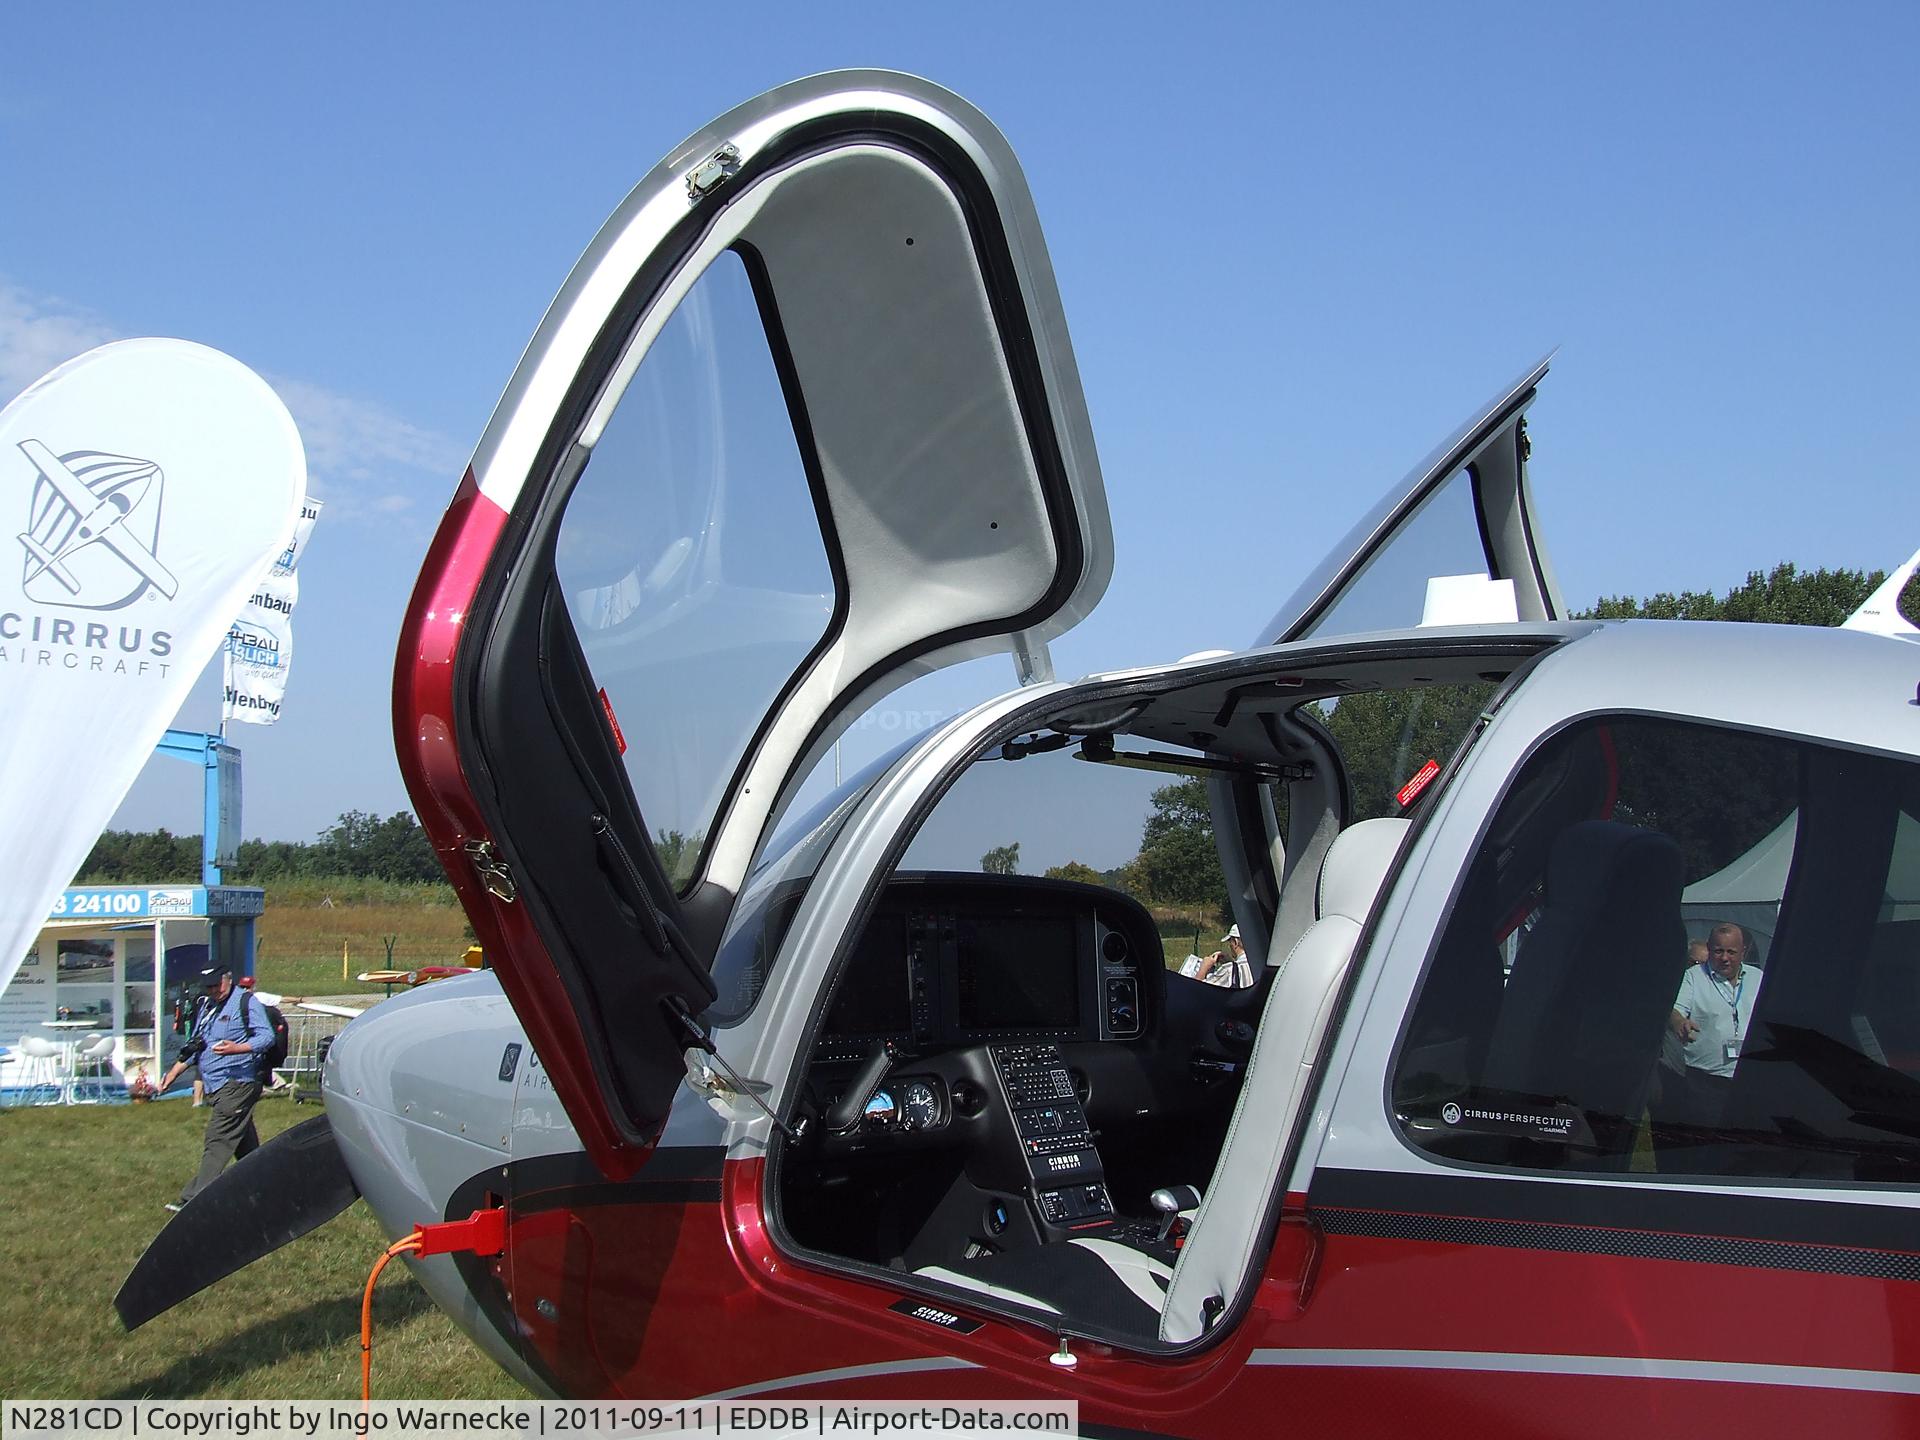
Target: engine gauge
point(882, 1111)
point(920, 1106)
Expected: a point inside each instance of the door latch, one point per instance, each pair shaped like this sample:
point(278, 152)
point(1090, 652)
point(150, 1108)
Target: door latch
point(705, 177)
point(492, 870)
point(709, 1074)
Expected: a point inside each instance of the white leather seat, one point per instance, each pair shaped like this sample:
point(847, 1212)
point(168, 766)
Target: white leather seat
point(1299, 1003)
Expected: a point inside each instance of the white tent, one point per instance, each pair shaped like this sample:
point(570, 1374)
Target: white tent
point(1747, 892)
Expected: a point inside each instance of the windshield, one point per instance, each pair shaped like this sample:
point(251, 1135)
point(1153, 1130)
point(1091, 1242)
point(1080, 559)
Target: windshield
point(777, 883)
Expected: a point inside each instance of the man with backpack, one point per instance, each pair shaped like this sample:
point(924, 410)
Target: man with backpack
point(232, 1041)
point(276, 1054)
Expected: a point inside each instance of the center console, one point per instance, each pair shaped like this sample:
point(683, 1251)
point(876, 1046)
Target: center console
point(1064, 1173)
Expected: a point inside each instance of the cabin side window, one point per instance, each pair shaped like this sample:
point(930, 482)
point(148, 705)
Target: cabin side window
point(1680, 950)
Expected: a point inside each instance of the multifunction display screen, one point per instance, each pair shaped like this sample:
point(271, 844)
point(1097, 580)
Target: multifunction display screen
point(1018, 972)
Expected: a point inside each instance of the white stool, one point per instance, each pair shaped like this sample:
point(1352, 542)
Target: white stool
point(45, 1065)
point(93, 1061)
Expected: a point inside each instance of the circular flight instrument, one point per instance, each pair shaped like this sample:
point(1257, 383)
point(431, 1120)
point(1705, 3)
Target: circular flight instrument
point(881, 1112)
point(920, 1106)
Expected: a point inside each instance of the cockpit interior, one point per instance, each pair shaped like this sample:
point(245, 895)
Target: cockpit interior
point(1011, 1095)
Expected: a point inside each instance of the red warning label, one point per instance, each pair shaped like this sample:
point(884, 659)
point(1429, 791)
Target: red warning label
point(619, 740)
point(1406, 794)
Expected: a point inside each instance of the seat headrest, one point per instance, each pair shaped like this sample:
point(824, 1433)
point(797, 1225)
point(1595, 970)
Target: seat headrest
point(1589, 858)
point(1356, 865)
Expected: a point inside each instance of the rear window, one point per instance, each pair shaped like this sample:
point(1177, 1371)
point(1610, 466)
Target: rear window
point(1680, 950)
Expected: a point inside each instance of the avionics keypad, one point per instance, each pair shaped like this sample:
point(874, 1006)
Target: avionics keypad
point(1062, 1162)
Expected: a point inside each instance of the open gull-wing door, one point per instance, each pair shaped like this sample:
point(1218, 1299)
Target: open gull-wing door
point(804, 422)
point(1465, 509)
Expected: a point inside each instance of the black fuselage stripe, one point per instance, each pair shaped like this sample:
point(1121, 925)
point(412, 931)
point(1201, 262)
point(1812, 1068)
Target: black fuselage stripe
point(1636, 1244)
point(1710, 1227)
point(591, 1197)
point(671, 1175)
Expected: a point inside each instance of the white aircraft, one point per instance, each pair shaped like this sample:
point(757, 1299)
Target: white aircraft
point(761, 1096)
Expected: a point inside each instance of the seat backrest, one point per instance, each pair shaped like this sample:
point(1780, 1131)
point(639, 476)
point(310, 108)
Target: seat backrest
point(1299, 1003)
point(1587, 1004)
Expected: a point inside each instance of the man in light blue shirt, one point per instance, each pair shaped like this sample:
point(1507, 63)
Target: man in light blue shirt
point(1715, 1003)
point(235, 1033)
point(1710, 1017)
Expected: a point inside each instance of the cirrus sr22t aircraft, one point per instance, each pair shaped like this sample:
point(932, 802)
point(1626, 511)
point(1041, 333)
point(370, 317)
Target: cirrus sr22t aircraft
point(775, 1100)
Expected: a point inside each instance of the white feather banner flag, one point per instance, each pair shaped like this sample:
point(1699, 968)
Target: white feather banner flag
point(146, 488)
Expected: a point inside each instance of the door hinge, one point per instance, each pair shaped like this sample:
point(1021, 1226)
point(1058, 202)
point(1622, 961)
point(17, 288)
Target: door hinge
point(1032, 661)
point(706, 177)
point(492, 870)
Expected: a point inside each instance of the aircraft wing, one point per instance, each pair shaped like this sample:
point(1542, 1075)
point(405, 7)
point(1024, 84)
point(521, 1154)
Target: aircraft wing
point(141, 558)
point(345, 1012)
point(67, 485)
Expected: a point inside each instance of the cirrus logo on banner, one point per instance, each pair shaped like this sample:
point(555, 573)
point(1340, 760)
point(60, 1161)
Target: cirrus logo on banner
point(94, 522)
point(152, 483)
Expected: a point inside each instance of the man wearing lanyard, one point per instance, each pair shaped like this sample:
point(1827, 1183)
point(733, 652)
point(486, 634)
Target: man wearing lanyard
point(1711, 1015)
point(233, 1029)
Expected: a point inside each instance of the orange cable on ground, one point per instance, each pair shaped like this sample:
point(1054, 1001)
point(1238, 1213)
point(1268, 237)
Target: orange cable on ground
point(399, 1247)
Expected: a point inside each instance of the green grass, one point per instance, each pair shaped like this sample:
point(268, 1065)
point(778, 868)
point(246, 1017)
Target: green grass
point(299, 938)
point(84, 1191)
point(1179, 929)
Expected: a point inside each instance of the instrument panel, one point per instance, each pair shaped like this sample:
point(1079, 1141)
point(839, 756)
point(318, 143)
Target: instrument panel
point(949, 960)
point(908, 1105)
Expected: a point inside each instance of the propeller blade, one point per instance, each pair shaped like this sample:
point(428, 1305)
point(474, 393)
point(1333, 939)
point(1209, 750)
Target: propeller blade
point(290, 1185)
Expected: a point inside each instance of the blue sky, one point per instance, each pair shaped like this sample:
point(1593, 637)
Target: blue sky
point(1294, 250)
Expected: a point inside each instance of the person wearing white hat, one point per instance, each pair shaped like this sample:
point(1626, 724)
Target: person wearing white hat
point(1228, 967)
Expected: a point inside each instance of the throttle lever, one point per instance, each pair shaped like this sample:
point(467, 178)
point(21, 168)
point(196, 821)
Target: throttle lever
point(1170, 1201)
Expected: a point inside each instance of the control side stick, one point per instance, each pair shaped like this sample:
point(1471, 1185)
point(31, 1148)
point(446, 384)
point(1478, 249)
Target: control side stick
point(846, 1113)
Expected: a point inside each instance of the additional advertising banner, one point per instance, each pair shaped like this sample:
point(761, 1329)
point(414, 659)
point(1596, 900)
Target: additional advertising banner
point(289, 560)
point(260, 646)
point(121, 902)
point(150, 485)
point(259, 652)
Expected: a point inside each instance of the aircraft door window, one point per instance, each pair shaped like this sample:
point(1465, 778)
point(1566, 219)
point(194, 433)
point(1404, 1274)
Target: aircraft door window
point(691, 558)
point(1442, 538)
point(1680, 950)
point(1386, 739)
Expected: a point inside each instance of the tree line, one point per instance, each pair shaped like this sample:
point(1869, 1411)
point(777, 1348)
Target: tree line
point(359, 844)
